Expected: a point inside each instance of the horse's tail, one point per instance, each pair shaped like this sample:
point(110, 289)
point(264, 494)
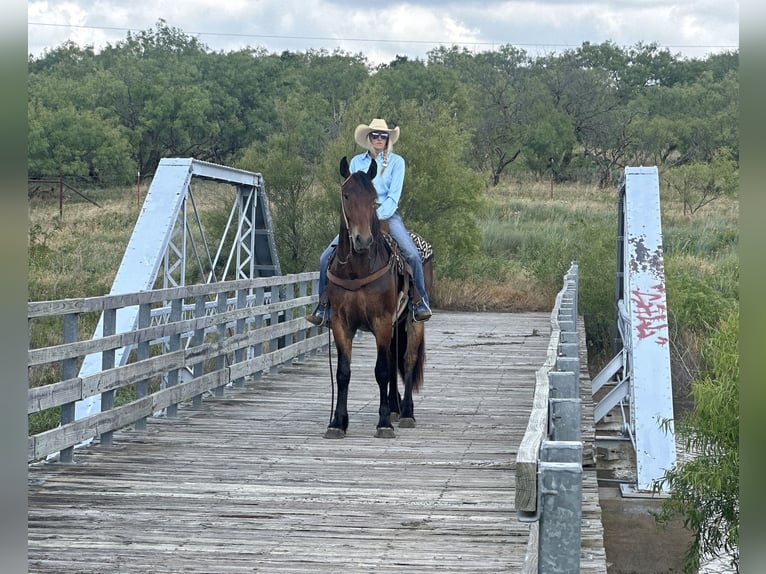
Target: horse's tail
point(420, 363)
point(416, 350)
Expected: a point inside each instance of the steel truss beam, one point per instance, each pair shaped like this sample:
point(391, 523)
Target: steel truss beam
point(640, 370)
point(169, 244)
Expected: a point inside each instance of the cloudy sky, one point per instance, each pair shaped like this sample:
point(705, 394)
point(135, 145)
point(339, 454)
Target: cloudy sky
point(381, 30)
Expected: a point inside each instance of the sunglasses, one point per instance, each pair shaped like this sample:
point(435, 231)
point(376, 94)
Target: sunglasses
point(378, 136)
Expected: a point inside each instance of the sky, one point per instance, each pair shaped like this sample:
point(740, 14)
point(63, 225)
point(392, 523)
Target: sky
point(383, 30)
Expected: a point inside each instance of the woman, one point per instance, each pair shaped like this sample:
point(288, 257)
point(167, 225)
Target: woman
point(379, 140)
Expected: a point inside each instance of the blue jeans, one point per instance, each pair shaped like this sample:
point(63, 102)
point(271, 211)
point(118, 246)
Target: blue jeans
point(406, 245)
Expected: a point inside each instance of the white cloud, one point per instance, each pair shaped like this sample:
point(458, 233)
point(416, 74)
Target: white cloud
point(382, 31)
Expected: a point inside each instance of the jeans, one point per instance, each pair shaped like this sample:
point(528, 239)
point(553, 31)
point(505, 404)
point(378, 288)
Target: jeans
point(406, 245)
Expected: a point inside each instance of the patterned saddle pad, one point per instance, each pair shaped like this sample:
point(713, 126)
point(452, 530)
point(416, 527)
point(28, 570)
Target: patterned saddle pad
point(424, 247)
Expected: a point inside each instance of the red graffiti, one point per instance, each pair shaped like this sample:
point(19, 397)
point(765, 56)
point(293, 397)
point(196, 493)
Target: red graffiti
point(650, 311)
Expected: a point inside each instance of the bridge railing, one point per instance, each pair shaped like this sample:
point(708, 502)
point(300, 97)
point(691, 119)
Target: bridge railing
point(549, 460)
point(188, 342)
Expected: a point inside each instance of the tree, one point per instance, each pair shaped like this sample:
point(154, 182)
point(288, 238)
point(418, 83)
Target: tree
point(442, 197)
point(286, 161)
point(158, 95)
point(704, 490)
point(69, 134)
point(698, 184)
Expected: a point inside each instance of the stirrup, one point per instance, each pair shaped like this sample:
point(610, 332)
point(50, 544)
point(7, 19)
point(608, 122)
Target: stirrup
point(422, 312)
point(320, 316)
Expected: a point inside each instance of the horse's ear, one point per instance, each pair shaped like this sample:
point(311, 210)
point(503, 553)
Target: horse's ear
point(373, 169)
point(344, 172)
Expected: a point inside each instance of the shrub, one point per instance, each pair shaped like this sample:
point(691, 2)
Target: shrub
point(704, 490)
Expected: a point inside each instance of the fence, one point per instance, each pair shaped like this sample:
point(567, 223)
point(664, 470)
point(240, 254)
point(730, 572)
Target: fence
point(190, 341)
point(549, 461)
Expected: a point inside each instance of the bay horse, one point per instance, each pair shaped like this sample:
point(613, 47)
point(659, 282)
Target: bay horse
point(367, 289)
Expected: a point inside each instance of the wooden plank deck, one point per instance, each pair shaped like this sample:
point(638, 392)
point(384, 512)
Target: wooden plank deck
point(246, 483)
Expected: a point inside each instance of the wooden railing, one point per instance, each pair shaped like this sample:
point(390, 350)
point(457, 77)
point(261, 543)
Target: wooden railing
point(188, 341)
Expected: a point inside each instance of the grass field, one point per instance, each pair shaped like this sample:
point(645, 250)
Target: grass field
point(530, 233)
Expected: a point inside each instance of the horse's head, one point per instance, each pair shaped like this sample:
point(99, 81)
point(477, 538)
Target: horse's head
point(359, 202)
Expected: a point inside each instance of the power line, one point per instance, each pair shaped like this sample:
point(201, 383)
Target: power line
point(372, 40)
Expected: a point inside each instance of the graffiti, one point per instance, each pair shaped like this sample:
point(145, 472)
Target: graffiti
point(650, 313)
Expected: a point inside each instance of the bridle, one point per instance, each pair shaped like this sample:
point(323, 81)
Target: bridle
point(356, 284)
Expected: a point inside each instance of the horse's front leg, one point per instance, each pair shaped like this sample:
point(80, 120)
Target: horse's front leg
point(339, 424)
point(383, 369)
point(394, 398)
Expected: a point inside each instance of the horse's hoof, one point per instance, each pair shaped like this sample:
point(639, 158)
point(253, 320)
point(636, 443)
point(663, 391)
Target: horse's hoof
point(334, 433)
point(407, 423)
point(394, 417)
point(385, 432)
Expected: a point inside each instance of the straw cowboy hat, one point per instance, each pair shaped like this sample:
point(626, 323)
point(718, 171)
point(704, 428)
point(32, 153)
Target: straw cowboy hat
point(362, 132)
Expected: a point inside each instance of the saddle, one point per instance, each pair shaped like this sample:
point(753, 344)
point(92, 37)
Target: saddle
point(426, 251)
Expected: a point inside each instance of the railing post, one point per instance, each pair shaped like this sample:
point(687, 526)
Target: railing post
point(174, 344)
point(220, 360)
point(257, 349)
point(199, 338)
point(565, 419)
point(560, 517)
point(315, 295)
point(142, 353)
point(239, 353)
point(68, 371)
point(301, 313)
point(287, 314)
point(107, 362)
point(563, 385)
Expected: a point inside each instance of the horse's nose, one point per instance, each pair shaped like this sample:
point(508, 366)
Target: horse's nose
point(362, 242)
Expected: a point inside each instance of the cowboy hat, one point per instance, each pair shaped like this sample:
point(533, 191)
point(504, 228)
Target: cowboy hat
point(362, 132)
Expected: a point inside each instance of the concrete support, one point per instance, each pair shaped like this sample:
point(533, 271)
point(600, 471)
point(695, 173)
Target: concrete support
point(561, 500)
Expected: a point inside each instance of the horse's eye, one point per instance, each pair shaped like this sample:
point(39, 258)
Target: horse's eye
point(345, 196)
point(375, 205)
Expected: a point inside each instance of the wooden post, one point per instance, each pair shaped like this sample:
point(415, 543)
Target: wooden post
point(142, 354)
point(107, 362)
point(68, 371)
point(199, 338)
point(174, 344)
point(61, 197)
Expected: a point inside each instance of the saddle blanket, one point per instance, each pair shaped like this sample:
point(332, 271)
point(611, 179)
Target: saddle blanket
point(424, 247)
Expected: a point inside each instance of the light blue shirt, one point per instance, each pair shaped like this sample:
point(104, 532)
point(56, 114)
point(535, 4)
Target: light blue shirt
point(388, 184)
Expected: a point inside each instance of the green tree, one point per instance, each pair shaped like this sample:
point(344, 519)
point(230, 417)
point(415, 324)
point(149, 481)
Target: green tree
point(704, 490)
point(698, 184)
point(159, 97)
point(71, 135)
point(286, 162)
point(442, 197)
point(691, 122)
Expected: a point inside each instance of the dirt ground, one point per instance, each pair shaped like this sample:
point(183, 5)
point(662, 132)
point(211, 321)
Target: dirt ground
point(634, 543)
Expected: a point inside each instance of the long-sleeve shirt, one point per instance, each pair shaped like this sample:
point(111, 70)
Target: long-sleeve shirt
point(388, 184)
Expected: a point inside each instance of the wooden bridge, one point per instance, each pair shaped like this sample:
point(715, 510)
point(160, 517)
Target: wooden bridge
point(244, 482)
